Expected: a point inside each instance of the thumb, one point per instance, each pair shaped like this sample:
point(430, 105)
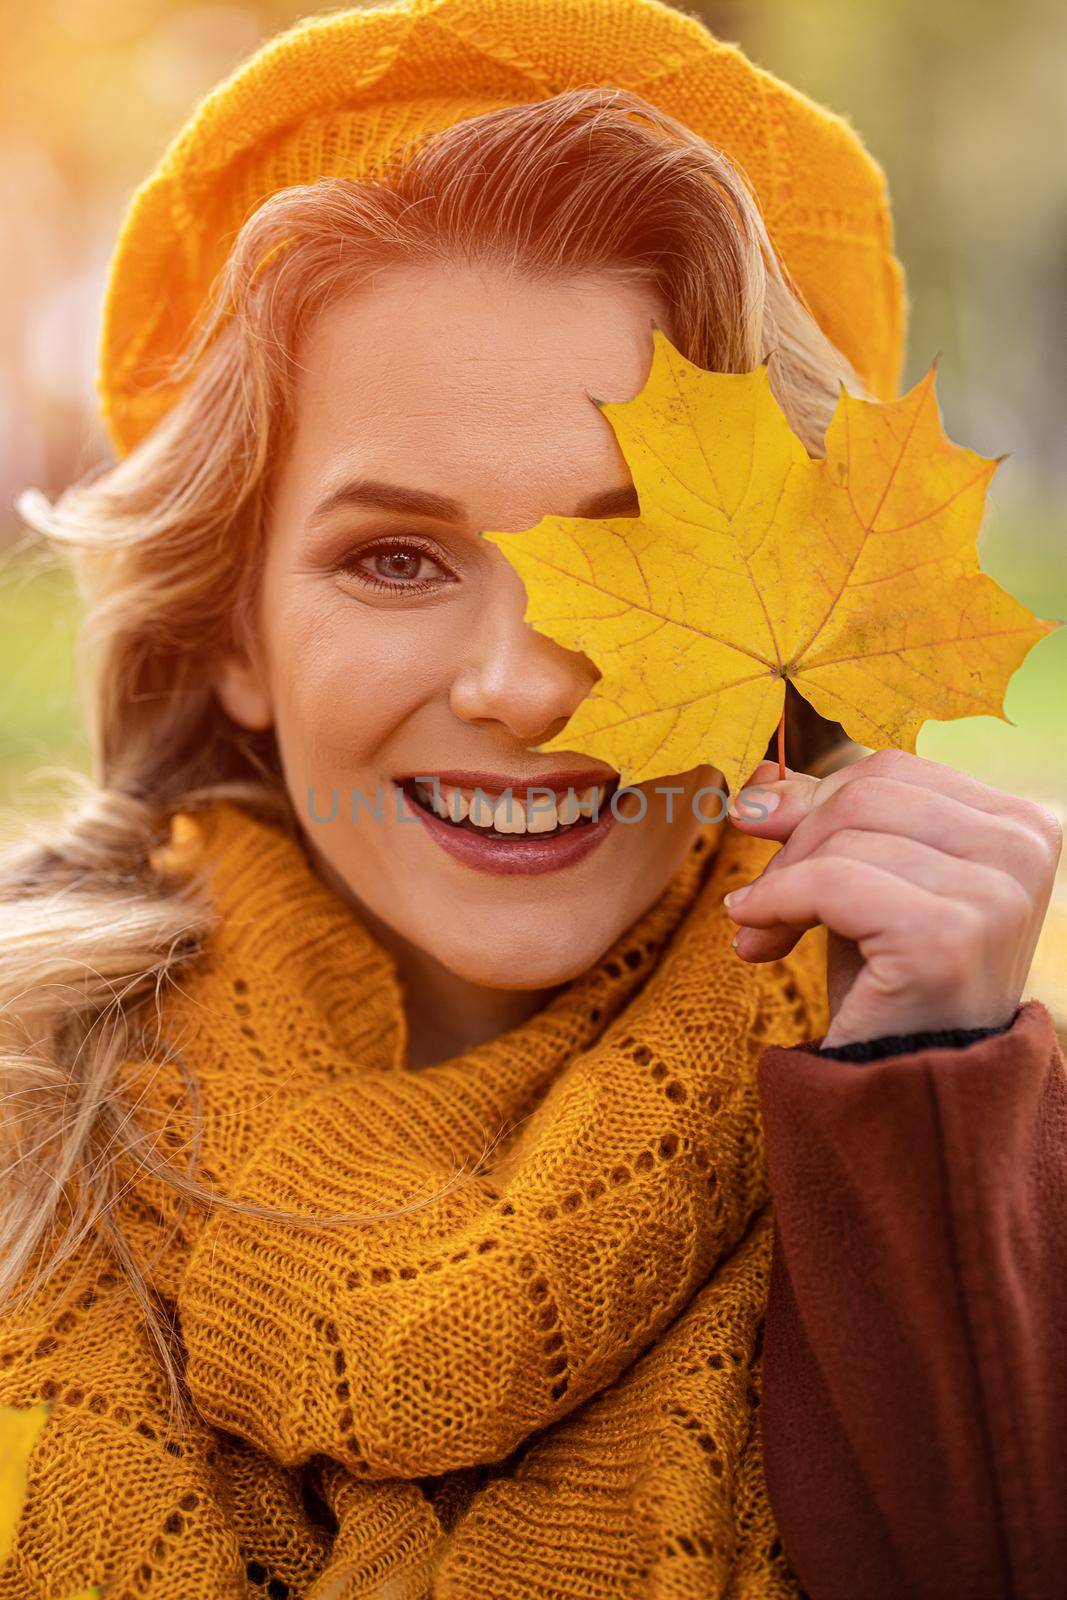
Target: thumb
point(772, 807)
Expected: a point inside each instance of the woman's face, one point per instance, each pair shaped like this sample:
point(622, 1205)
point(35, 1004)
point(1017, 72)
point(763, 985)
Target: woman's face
point(432, 404)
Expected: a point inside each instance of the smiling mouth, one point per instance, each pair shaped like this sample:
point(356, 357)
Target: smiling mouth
point(513, 814)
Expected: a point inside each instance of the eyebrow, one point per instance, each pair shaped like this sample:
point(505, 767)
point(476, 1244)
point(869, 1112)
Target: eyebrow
point(422, 503)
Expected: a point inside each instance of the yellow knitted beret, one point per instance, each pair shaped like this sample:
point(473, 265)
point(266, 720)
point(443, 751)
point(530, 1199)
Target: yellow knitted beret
point(337, 93)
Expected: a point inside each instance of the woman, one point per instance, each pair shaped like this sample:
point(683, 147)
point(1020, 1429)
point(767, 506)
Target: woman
point(296, 964)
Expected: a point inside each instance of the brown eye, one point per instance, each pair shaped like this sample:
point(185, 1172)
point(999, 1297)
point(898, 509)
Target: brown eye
point(397, 566)
point(400, 563)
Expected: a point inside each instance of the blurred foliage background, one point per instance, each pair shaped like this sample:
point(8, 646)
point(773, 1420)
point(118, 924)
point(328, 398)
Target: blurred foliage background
point(963, 105)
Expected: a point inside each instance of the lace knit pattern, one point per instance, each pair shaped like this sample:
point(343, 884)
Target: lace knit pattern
point(544, 1381)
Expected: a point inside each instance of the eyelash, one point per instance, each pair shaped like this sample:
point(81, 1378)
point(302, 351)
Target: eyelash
point(372, 580)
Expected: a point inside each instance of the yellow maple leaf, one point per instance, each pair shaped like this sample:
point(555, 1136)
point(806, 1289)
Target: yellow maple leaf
point(854, 576)
point(20, 1428)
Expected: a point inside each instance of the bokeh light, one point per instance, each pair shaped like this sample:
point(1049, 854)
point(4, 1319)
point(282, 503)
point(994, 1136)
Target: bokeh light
point(963, 106)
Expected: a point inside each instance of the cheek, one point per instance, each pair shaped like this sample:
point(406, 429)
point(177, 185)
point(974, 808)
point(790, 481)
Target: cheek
point(348, 678)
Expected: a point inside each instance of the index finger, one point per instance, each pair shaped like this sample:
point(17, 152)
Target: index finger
point(795, 796)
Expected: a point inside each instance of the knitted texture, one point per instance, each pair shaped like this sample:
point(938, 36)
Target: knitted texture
point(341, 93)
point(543, 1380)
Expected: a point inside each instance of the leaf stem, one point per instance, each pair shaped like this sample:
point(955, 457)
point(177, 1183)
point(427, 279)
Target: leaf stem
point(781, 747)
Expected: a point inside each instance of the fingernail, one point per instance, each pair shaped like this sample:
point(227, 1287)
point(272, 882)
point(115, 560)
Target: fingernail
point(758, 803)
point(735, 897)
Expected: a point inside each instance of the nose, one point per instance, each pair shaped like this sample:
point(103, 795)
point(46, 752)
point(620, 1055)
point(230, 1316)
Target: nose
point(515, 678)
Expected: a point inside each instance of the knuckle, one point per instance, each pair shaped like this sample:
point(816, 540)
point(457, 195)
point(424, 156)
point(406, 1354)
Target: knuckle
point(888, 762)
point(845, 806)
point(1016, 907)
point(1048, 828)
point(854, 802)
point(1033, 841)
point(1006, 902)
point(855, 842)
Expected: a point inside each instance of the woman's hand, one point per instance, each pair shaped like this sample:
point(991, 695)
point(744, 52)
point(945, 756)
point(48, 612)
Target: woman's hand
point(933, 887)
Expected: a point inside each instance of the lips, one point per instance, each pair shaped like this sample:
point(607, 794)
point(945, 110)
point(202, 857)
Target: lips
point(542, 825)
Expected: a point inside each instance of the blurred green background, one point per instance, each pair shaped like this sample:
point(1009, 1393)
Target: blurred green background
point(963, 105)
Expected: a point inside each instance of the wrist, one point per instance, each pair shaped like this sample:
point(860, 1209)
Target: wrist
point(895, 1044)
point(851, 1022)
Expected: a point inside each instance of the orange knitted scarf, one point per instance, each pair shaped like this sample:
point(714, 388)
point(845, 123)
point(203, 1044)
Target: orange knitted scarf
point(543, 1382)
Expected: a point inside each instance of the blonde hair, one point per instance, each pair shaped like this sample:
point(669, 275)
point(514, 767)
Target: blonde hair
point(163, 545)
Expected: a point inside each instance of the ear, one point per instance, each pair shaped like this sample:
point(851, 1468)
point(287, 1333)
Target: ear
point(242, 690)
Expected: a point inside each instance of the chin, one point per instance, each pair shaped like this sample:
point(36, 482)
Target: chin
point(523, 964)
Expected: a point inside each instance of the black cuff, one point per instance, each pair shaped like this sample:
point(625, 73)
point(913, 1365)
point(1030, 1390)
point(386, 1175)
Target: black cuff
point(902, 1044)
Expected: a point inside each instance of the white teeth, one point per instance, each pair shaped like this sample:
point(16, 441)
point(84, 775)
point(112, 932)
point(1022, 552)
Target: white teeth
point(541, 814)
point(481, 811)
point(510, 815)
point(455, 807)
point(590, 798)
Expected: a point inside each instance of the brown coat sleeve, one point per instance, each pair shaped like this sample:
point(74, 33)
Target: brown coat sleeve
point(914, 1409)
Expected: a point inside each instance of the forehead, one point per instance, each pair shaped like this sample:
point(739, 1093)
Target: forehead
point(463, 365)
